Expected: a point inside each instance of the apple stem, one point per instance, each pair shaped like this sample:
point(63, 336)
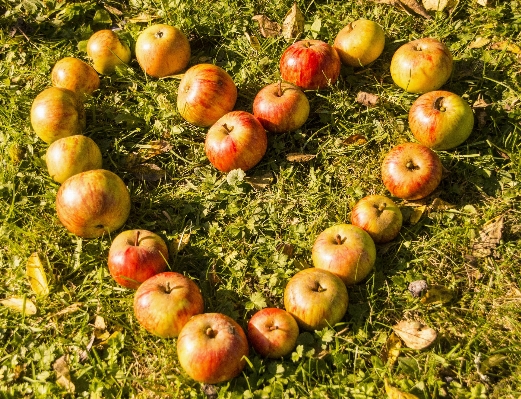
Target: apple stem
point(319, 288)
point(210, 332)
point(382, 206)
point(338, 239)
point(280, 88)
point(136, 243)
point(307, 44)
point(227, 128)
point(168, 289)
point(438, 104)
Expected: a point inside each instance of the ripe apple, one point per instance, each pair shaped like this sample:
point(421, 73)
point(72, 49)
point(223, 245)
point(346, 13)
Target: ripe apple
point(421, 65)
point(346, 251)
point(135, 256)
point(107, 51)
point(360, 42)
point(236, 140)
point(165, 302)
point(310, 64)
point(162, 50)
point(76, 75)
point(206, 92)
point(71, 155)
point(57, 113)
point(411, 171)
point(281, 107)
point(212, 348)
point(441, 120)
point(92, 203)
point(379, 216)
point(273, 332)
point(316, 298)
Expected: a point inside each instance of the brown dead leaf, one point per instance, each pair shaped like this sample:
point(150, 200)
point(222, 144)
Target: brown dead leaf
point(22, 305)
point(113, 10)
point(417, 213)
point(391, 350)
point(69, 309)
point(439, 205)
point(395, 393)
point(286, 248)
point(63, 376)
point(267, 27)
point(407, 5)
point(293, 24)
point(414, 334)
point(254, 42)
point(489, 238)
point(260, 182)
point(367, 99)
point(355, 139)
point(142, 18)
point(148, 172)
point(480, 103)
point(35, 272)
point(479, 42)
point(295, 157)
point(506, 46)
point(147, 152)
point(437, 294)
point(438, 5)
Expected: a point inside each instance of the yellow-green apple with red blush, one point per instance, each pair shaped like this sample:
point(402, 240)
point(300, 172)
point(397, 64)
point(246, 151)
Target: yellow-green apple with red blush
point(107, 51)
point(71, 155)
point(273, 332)
point(162, 50)
point(92, 203)
point(212, 348)
point(76, 75)
point(411, 171)
point(135, 256)
point(165, 302)
point(360, 42)
point(206, 92)
point(379, 216)
point(281, 107)
point(346, 251)
point(421, 65)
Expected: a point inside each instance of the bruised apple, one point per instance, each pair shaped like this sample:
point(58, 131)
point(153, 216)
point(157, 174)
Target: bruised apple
point(76, 75)
point(379, 216)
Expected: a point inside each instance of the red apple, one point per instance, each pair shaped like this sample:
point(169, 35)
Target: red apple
point(162, 50)
point(71, 155)
point(441, 120)
point(57, 113)
point(421, 65)
point(135, 256)
point(346, 251)
point(411, 171)
point(273, 332)
point(360, 42)
point(165, 302)
point(212, 348)
point(379, 216)
point(281, 107)
point(107, 51)
point(206, 92)
point(316, 298)
point(76, 75)
point(92, 203)
point(237, 140)
point(310, 64)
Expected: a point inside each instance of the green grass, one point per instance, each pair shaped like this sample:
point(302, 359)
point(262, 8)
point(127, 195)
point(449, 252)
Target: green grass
point(237, 233)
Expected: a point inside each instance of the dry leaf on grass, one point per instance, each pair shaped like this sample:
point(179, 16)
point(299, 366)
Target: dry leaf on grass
point(395, 393)
point(438, 5)
point(479, 42)
point(260, 182)
point(437, 295)
point(147, 152)
point(506, 46)
point(414, 334)
point(142, 18)
point(63, 376)
point(416, 214)
point(148, 172)
point(407, 5)
point(391, 350)
point(69, 309)
point(295, 157)
point(254, 42)
point(439, 205)
point(489, 238)
point(293, 25)
point(267, 27)
point(355, 139)
point(367, 99)
point(36, 274)
point(22, 305)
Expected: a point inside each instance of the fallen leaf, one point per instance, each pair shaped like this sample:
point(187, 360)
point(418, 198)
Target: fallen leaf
point(99, 323)
point(489, 238)
point(267, 27)
point(301, 264)
point(22, 305)
point(260, 182)
point(439, 205)
point(146, 152)
point(254, 42)
point(293, 24)
point(178, 244)
point(395, 393)
point(438, 5)
point(63, 377)
point(108, 338)
point(483, 3)
point(355, 139)
point(36, 274)
point(69, 309)
point(391, 350)
point(367, 99)
point(295, 157)
point(143, 18)
point(113, 10)
point(480, 103)
point(414, 334)
point(506, 46)
point(148, 172)
point(492, 361)
point(479, 42)
point(416, 214)
point(417, 287)
point(407, 5)
point(286, 248)
point(437, 295)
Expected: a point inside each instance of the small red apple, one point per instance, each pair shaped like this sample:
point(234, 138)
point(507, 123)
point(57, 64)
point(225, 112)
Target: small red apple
point(379, 216)
point(360, 42)
point(107, 51)
point(76, 75)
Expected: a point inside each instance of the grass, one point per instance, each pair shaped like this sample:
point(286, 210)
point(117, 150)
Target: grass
point(246, 242)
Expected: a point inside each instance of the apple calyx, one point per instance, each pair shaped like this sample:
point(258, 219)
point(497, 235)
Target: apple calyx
point(411, 166)
point(210, 332)
point(228, 129)
point(307, 44)
point(381, 207)
point(272, 328)
point(159, 34)
point(318, 287)
point(339, 240)
point(438, 104)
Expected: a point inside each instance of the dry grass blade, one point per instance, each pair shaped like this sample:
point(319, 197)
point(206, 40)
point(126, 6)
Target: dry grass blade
point(295, 157)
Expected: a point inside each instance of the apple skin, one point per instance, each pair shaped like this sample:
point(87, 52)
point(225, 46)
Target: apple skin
point(57, 113)
point(135, 256)
point(206, 92)
point(316, 298)
point(92, 203)
point(273, 332)
point(379, 216)
point(236, 141)
point(76, 75)
point(165, 302)
point(281, 107)
point(345, 250)
point(162, 50)
point(360, 42)
point(71, 155)
point(310, 64)
point(421, 65)
point(107, 51)
point(441, 120)
point(212, 348)
point(411, 171)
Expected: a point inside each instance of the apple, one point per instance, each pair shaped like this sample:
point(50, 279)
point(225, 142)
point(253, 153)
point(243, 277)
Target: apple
point(379, 216)
point(76, 75)
point(360, 42)
point(165, 302)
point(162, 50)
point(236, 141)
point(441, 120)
point(57, 113)
point(345, 250)
point(212, 348)
point(411, 171)
point(107, 51)
point(421, 65)
point(135, 256)
point(206, 92)
point(92, 203)
point(281, 107)
point(316, 298)
point(70, 155)
point(310, 64)
point(273, 332)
